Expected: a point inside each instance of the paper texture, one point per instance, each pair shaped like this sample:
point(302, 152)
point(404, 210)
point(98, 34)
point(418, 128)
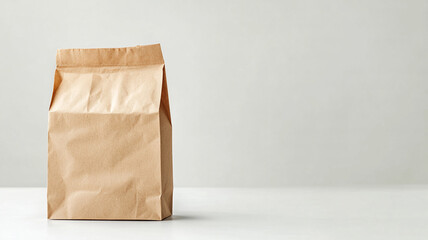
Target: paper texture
point(109, 135)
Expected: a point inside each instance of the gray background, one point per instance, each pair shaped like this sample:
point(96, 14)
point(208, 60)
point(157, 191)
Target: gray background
point(263, 93)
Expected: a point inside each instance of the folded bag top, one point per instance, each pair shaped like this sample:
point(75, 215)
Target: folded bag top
point(96, 57)
point(109, 135)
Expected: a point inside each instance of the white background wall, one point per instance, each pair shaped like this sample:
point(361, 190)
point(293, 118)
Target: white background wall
point(263, 93)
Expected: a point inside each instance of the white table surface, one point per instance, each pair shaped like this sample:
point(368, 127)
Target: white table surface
point(344, 213)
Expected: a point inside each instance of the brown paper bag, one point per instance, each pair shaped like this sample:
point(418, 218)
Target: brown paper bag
point(109, 137)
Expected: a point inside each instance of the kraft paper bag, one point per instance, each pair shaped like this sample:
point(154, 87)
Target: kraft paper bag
point(109, 135)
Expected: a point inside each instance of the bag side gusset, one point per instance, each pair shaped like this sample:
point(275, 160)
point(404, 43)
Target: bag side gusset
point(166, 150)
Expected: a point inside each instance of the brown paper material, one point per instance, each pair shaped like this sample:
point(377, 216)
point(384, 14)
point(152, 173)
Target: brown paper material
point(109, 137)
